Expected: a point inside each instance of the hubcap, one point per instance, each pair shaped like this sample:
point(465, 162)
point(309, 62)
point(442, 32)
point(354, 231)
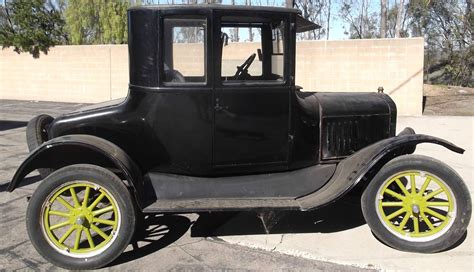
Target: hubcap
point(415, 209)
point(80, 219)
point(416, 206)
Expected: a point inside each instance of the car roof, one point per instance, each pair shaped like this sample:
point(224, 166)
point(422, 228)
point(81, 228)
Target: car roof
point(302, 24)
point(218, 7)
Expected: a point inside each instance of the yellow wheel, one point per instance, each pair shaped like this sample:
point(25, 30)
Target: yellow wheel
point(416, 203)
point(81, 217)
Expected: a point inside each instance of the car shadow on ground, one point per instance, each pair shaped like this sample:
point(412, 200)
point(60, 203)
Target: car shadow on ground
point(159, 231)
point(26, 181)
point(342, 215)
point(8, 124)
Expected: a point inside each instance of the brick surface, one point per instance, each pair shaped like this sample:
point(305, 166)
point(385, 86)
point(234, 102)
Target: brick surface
point(95, 73)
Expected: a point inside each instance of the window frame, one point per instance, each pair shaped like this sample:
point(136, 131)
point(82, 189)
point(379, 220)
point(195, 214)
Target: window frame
point(245, 27)
point(263, 82)
point(206, 45)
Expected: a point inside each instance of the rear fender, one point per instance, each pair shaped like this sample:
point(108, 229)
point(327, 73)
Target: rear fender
point(74, 149)
point(352, 170)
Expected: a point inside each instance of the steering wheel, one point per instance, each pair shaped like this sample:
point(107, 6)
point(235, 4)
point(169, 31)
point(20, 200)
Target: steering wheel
point(242, 69)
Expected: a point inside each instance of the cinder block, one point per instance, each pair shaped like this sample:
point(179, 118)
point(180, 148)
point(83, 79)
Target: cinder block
point(96, 73)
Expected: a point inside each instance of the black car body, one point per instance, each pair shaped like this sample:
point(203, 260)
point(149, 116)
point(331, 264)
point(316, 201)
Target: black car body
point(216, 137)
point(195, 134)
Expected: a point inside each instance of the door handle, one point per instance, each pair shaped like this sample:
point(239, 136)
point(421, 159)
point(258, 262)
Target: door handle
point(218, 107)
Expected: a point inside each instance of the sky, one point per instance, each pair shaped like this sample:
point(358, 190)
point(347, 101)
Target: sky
point(336, 29)
point(336, 26)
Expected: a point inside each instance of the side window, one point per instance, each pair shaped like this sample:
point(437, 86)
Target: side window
point(278, 52)
point(252, 49)
point(184, 50)
point(238, 49)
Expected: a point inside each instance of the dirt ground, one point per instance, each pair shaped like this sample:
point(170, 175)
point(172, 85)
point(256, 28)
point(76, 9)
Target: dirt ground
point(448, 100)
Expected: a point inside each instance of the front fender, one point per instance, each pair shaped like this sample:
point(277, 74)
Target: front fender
point(73, 149)
point(351, 171)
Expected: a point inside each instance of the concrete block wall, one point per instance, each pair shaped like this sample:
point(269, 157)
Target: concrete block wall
point(95, 73)
point(84, 74)
point(363, 66)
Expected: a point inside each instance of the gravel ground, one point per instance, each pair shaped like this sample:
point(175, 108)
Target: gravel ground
point(448, 100)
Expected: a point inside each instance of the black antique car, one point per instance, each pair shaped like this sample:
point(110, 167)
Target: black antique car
point(211, 125)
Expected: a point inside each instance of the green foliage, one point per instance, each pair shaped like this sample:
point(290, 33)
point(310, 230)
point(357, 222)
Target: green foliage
point(447, 28)
point(3, 17)
point(31, 26)
point(97, 21)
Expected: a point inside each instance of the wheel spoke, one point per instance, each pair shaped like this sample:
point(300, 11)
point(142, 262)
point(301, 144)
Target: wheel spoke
point(105, 221)
point(99, 231)
point(96, 201)
point(404, 221)
point(392, 193)
point(437, 203)
point(397, 213)
point(427, 221)
point(435, 214)
point(66, 235)
point(78, 238)
point(89, 238)
point(404, 189)
point(392, 204)
point(416, 227)
point(103, 210)
point(425, 185)
point(413, 184)
point(60, 225)
point(59, 213)
point(433, 194)
point(65, 203)
point(74, 197)
point(86, 197)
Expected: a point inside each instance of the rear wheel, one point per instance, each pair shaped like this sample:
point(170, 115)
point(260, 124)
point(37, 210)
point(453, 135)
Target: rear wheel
point(416, 203)
point(81, 217)
point(36, 135)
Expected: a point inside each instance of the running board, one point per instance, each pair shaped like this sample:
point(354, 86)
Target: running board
point(207, 205)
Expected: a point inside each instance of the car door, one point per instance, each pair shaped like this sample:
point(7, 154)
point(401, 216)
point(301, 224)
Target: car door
point(251, 111)
point(179, 111)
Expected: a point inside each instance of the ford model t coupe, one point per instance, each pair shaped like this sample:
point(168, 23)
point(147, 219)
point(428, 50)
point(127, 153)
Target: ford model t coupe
point(211, 125)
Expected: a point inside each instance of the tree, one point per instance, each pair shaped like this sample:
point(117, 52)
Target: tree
point(447, 29)
point(31, 26)
point(362, 25)
point(312, 10)
point(249, 3)
point(383, 18)
point(113, 20)
point(97, 21)
point(398, 25)
point(328, 16)
point(234, 35)
point(3, 17)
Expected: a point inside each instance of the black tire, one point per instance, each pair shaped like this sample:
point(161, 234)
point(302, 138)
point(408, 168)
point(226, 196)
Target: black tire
point(124, 217)
point(437, 237)
point(36, 135)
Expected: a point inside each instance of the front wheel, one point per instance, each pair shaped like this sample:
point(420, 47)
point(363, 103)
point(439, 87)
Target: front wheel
point(81, 217)
point(416, 203)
